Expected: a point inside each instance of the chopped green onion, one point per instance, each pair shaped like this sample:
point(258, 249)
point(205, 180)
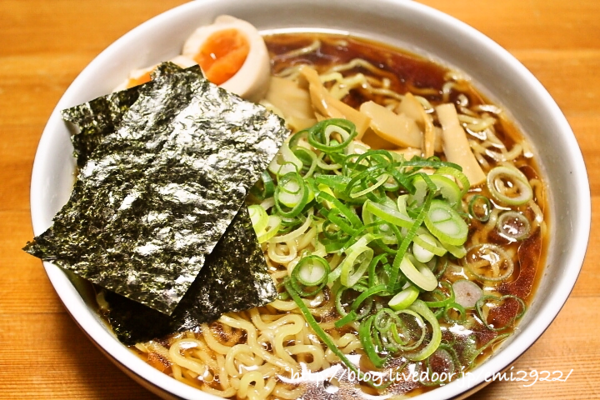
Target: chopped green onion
point(319, 136)
point(436, 334)
point(345, 211)
point(285, 161)
point(259, 217)
point(401, 203)
point(446, 187)
point(387, 323)
point(485, 301)
point(337, 183)
point(440, 298)
point(291, 195)
point(434, 265)
point(489, 262)
point(387, 224)
point(273, 224)
point(513, 225)
point(367, 294)
point(311, 271)
point(368, 161)
point(399, 257)
point(326, 189)
point(296, 232)
point(446, 224)
point(365, 336)
point(480, 208)
point(456, 251)
point(350, 317)
point(323, 336)
point(368, 189)
point(388, 214)
point(457, 308)
point(309, 160)
point(422, 277)
point(267, 185)
point(404, 298)
point(373, 278)
point(356, 263)
point(426, 246)
point(467, 293)
point(509, 185)
point(458, 175)
point(378, 225)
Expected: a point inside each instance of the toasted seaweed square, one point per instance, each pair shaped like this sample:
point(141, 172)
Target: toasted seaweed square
point(96, 119)
point(155, 195)
point(234, 278)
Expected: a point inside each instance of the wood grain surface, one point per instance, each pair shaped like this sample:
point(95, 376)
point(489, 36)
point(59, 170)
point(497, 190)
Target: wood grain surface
point(45, 44)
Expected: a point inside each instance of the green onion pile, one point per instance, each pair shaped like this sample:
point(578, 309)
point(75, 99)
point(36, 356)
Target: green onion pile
point(392, 224)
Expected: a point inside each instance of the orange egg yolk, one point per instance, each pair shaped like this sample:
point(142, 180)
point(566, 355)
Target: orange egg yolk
point(139, 80)
point(222, 55)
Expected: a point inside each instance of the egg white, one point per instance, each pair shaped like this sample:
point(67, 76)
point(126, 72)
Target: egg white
point(251, 82)
point(181, 61)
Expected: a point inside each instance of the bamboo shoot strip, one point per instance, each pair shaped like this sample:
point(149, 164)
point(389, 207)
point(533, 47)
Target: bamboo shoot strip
point(456, 144)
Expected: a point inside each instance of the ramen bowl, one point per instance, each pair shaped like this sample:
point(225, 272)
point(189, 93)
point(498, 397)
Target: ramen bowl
point(403, 24)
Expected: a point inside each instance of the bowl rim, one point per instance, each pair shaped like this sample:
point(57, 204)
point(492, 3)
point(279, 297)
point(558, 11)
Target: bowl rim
point(161, 383)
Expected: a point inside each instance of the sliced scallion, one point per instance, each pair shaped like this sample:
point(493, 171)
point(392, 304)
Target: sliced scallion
point(291, 194)
point(467, 293)
point(320, 135)
point(513, 225)
point(422, 277)
point(445, 187)
point(509, 186)
point(441, 298)
point(446, 224)
point(395, 333)
point(296, 233)
point(285, 161)
point(426, 246)
point(489, 262)
point(404, 298)
point(458, 175)
point(323, 336)
point(454, 308)
point(356, 263)
point(259, 217)
point(457, 251)
point(436, 333)
point(365, 336)
point(388, 214)
point(480, 208)
point(343, 209)
point(490, 301)
point(312, 271)
point(271, 229)
point(263, 188)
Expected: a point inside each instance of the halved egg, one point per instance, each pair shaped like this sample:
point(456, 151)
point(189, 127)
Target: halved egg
point(233, 55)
point(143, 75)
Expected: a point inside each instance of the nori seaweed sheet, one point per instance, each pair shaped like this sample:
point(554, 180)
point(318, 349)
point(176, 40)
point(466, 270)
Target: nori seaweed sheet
point(233, 279)
point(151, 202)
point(96, 119)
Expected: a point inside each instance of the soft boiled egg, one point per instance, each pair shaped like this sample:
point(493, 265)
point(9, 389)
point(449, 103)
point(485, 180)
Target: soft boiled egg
point(233, 55)
point(143, 75)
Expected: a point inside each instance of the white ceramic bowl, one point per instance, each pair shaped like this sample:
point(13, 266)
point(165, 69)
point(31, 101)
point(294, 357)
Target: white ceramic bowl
point(402, 23)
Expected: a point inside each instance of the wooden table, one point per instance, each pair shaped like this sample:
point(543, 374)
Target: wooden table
point(45, 44)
